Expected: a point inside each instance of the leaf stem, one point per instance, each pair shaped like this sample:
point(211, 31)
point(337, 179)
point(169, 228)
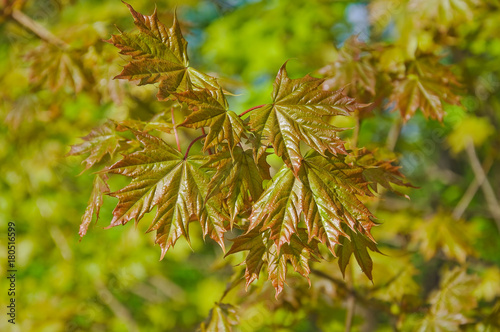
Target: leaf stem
point(392, 137)
point(251, 109)
point(175, 130)
point(191, 144)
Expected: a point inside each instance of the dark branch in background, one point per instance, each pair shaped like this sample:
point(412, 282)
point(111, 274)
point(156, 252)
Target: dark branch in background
point(191, 144)
point(251, 109)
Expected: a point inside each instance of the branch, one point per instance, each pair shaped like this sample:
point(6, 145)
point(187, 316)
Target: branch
point(191, 144)
point(37, 29)
point(481, 178)
point(470, 192)
point(251, 109)
point(116, 306)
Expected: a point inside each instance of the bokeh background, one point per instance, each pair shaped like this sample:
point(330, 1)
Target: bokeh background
point(113, 280)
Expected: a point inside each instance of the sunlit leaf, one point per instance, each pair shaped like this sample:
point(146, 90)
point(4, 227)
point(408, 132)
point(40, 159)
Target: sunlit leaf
point(100, 187)
point(297, 115)
point(99, 142)
point(162, 177)
point(158, 55)
point(210, 109)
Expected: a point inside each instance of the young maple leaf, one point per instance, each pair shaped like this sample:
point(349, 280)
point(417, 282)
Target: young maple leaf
point(358, 244)
point(99, 142)
point(99, 188)
point(427, 84)
point(162, 177)
point(222, 318)
point(296, 115)
point(210, 109)
point(237, 178)
point(324, 193)
point(158, 55)
point(353, 69)
point(380, 172)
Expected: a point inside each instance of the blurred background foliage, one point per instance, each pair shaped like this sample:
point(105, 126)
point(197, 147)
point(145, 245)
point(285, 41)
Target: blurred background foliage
point(441, 268)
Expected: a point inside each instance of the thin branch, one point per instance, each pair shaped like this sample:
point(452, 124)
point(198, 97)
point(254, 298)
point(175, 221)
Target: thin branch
point(191, 144)
point(351, 300)
point(251, 109)
point(37, 29)
point(175, 130)
point(488, 191)
point(355, 133)
point(392, 137)
point(470, 192)
point(116, 306)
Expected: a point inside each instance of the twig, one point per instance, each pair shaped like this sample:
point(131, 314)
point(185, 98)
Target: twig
point(351, 300)
point(116, 306)
point(488, 191)
point(251, 109)
point(175, 130)
point(191, 144)
point(37, 29)
point(470, 192)
point(392, 137)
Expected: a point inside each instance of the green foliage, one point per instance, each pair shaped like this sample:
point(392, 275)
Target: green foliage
point(295, 186)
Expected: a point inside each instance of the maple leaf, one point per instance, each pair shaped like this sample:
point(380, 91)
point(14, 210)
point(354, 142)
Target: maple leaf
point(58, 67)
point(442, 232)
point(380, 172)
point(210, 109)
point(238, 178)
point(222, 318)
point(159, 55)
point(162, 177)
point(296, 115)
point(324, 193)
point(426, 86)
point(358, 244)
point(261, 250)
point(99, 188)
point(99, 142)
point(299, 252)
point(256, 243)
point(352, 69)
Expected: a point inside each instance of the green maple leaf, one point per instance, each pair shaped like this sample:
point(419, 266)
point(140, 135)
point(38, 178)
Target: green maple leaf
point(299, 252)
point(237, 178)
point(222, 318)
point(256, 244)
point(162, 177)
point(210, 109)
point(158, 55)
point(296, 115)
point(358, 244)
point(99, 188)
point(99, 142)
point(324, 193)
point(426, 86)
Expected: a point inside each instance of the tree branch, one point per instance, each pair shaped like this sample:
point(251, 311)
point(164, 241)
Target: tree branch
point(37, 29)
point(481, 178)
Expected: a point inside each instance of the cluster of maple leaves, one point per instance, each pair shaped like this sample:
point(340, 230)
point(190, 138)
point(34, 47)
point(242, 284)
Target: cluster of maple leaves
point(317, 197)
